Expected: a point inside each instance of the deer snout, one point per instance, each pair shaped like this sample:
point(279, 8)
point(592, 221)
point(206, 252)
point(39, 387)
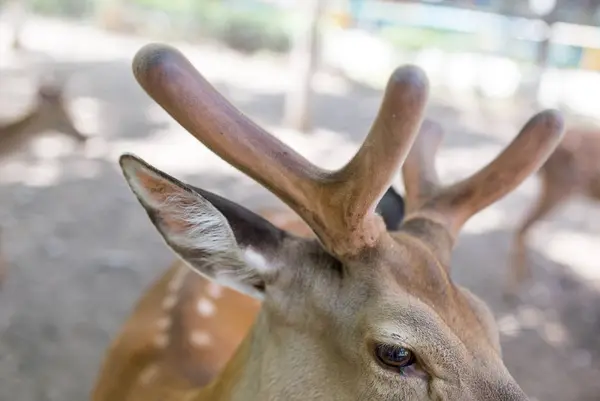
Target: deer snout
point(498, 391)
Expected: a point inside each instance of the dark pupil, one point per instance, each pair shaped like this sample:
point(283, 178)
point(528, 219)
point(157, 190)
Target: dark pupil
point(397, 357)
point(397, 354)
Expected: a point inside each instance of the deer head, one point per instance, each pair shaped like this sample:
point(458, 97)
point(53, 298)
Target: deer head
point(51, 109)
point(184, 328)
point(358, 312)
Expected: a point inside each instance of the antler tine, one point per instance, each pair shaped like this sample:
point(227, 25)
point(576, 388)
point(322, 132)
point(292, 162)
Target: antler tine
point(419, 174)
point(334, 204)
point(171, 80)
point(526, 153)
point(360, 185)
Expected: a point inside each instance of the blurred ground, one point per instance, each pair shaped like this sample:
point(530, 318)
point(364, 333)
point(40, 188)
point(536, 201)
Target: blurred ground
point(81, 249)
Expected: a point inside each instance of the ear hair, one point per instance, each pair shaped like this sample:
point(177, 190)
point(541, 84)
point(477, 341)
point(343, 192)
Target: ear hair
point(201, 222)
point(197, 230)
point(208, 245)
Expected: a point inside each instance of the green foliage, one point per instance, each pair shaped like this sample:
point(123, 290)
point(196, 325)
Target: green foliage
point(66, 8)
point(251, 31)
point(163, 5)
point(249, 27)
point(414, 38)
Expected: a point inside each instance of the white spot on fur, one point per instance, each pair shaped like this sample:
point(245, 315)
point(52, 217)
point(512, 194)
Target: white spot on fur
point(177, 281)
point(148, 374)
point(169, 302)
point(214, 290)
point(205, 307)
point(200, 338)
point(164, 323)
point(161, 340)
point(253, 267)
point(233, 280)
point(257, 261)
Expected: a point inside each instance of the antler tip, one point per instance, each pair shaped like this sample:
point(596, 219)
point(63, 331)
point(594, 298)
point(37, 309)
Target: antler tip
point(551, 120)
point(410, 76)
point(152, 56)
point(406, 93)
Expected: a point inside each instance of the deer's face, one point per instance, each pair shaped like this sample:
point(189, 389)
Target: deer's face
point(390, 327)
point(387, 325)
point(424, 338)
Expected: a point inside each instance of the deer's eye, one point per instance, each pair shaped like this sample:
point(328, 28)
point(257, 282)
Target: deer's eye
point(395, 357)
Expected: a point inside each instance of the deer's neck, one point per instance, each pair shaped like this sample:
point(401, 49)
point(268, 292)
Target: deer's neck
point(276, 364)
point(232, 383)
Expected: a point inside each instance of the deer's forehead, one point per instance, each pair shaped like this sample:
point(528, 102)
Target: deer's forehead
point(394, 305)
point(418, 291)
point(450, 307)
point(411, 265)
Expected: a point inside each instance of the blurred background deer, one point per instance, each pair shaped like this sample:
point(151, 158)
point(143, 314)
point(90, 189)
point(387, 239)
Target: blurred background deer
point(49, 112)
point(572, 170)
point(82, 253)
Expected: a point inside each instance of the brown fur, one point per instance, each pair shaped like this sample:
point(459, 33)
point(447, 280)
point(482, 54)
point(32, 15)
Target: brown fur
point(328, 304)
point(181, 364)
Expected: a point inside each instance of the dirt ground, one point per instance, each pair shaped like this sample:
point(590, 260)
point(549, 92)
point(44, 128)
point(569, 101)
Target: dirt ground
point(80, 249)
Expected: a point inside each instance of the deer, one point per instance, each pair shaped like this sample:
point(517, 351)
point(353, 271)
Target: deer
point(133, 352)
point(357, 311)
point(49, 112)
point(572, 169)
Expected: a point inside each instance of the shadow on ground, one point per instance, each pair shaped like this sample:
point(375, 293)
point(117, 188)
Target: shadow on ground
point(549, 336)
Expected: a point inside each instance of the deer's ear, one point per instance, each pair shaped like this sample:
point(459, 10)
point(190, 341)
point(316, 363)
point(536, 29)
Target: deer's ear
point(392, 209)
point(216, 237)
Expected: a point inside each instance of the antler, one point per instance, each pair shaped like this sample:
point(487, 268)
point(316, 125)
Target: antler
point(337, 205)
point(419, 173)
point(454, 205)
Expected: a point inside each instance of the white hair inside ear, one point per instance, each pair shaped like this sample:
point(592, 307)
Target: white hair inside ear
point(199, 232)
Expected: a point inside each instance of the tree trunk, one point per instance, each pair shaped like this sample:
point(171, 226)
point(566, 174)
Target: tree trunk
point(20, 11)
point(109, 14)
point(304, 60)
point(542, 59)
